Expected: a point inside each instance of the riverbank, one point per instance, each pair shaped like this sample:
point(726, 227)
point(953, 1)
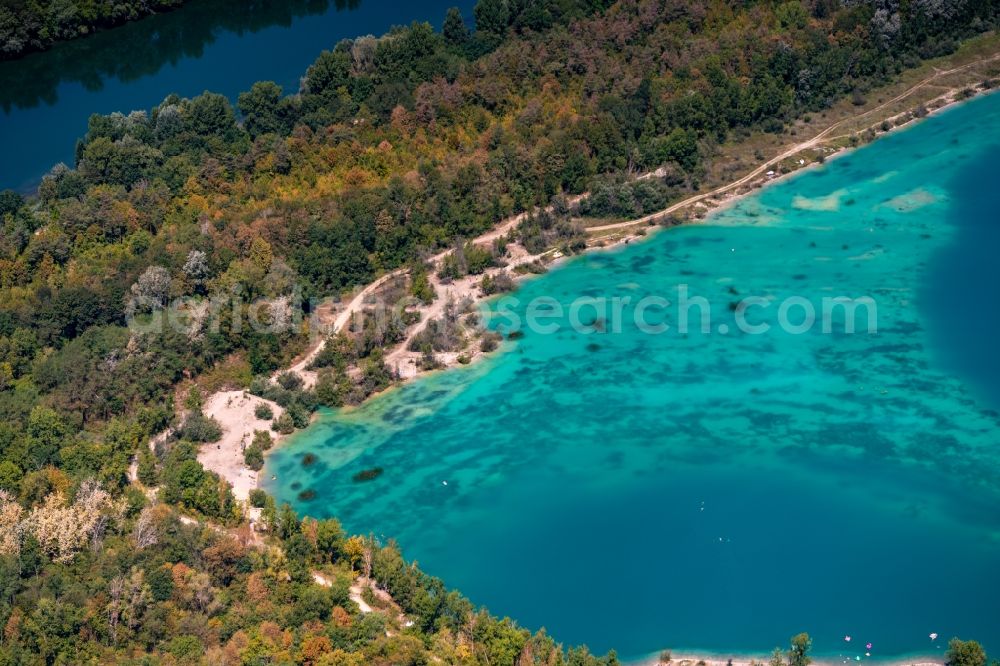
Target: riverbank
point(75, 23)
point(231, 412)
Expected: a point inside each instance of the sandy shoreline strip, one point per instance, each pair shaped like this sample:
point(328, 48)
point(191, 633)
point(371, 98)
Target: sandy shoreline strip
point(721, 659)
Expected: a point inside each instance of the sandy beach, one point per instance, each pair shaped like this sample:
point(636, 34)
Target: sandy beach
point(234, 410)
point(694, 659)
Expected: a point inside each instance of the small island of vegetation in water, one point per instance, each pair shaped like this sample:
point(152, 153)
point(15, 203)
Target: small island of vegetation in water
point(368, 474)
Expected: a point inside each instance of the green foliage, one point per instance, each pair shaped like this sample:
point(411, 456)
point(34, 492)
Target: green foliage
point(965, 653)
point(185, 482)
point(798, 653)
point(10, 476)
point(122, 163)
point(194, 400)
point(467, 259)
point(492, 16)
point(253, 456)
point(264, 110)
point(543, 229)
point(263, 411)
point(330, 71)
point(284, 424)
point(627, 199)
point(146, 467)
point(199, 428)
point(330, 539)
point(332, 387)
point(209, 114)
point(792, 14)
point(679, 147)
point(497, 284)
point(262, 439)
point(337, 352)
point(454, 30)
point(185, 648)
point(258, 498)
point(298, 414)
point(11, 201)
point(160, 582)
point(290, 381)
point(421, 288)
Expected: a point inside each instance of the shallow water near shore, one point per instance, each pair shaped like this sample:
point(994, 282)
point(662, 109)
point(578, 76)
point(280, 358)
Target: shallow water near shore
point(722, 490)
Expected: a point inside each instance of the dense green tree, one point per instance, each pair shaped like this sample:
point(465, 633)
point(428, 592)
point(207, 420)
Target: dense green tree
point(492, 16)
point(122, 162)
point(332, 387)
point(209, 114)
point(965, 653)
point(330, 538)
point(253, 456)
point(199, 428)
point(330, 71)
point(10, 476)
point(146, 467)
point(46, 434)
point(185, 482)
point(798, 653)
point(454, 30)
point(261, 108)
point(11, 201)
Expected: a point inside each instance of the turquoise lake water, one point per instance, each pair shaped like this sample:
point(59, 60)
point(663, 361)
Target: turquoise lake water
point(724, 491)
point(218, 45)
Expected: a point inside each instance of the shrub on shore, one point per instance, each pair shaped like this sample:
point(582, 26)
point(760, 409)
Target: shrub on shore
point(490, 341)
point(253, 457)
point(258, 498)
point(262, 439)
point(283, 424)
point(201, 429)
point(498, 283)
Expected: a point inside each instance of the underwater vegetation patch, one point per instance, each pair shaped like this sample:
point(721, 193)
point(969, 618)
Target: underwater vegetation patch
point(307, 494)
point(368, 474)
point(308, 460)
